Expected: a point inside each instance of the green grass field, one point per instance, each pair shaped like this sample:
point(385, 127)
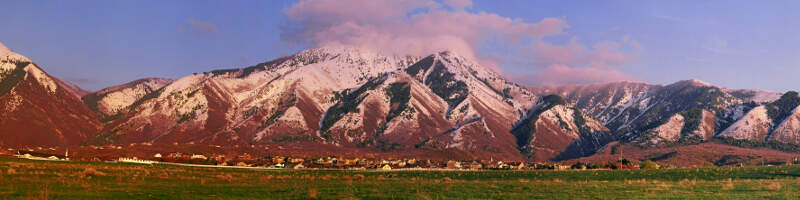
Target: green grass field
point(26, 179)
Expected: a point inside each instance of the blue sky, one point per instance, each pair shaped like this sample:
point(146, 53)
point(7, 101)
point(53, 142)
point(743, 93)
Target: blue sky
point(95, 44)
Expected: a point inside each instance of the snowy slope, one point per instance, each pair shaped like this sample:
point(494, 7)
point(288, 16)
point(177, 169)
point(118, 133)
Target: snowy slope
point(360, 99)
point(37, 109)
point(788, 131)
point(342, 96)
point(552, 130)
point(669, 131)
point(706, 128)
point(629, 109)
point(110, 101)
point(754, 126)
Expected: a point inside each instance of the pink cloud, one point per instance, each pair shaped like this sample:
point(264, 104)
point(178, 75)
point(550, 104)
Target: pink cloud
point(459, 4)
point(423, 27)
point(574, 63)
point(562, 74)
point(416, 27)
point(602, 55)
point(196, 26)
point(82, 80)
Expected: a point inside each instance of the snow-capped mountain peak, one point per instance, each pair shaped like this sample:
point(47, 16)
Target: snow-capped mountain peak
point(48, 111)
point(110, 101)
point(359, 99)
point(8, 55)
point(695, 82)
point(4, 50)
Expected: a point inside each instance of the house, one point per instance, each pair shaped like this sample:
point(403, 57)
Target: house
point(561, 167)
point(321, 161)
point(502, 165)
point(278, 159)
point(453, 164)
point(40, 156)
point(219, 158)
point(400, 164)
point(246, 156)
point(135, 160)
point(299, 166)
point(475, 165)
point(175, 155)
point(296, 160)
point(520, 166)
point(199, 156)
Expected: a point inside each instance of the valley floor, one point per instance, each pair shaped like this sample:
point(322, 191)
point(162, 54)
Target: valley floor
point(27, 179)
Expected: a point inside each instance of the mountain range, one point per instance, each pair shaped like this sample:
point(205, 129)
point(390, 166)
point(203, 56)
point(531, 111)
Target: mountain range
point(339, 100)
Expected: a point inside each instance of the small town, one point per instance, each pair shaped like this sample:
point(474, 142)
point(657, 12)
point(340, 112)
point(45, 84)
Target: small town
point(246, 161)
point(327, 163)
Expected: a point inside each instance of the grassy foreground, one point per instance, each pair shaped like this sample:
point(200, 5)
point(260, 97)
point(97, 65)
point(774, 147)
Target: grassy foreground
point(25, 179)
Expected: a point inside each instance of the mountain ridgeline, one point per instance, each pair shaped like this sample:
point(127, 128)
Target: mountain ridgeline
point(346, 100)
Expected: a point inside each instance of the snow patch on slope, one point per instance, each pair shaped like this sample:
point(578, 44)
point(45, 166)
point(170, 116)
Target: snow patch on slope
point(42, 78)
point(761, 96)
point(4, 50)
point(789, 129)
point(706, 128)
point(7, 54)
point(116, 98)
point(669, 131)
point(565, 117)
point(753, 126)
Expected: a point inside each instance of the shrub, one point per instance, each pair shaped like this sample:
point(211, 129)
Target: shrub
point(348, 103)
point(578, 165)
point(163, 175)
point(647, 164)
point(773, 185)
point(423, 65)
point(782, 108)
point(663, 156)
point(225, 176)
point(312, 193)
point(399, 94)
point(90, 172)
point(14, 77)
point(445, 85)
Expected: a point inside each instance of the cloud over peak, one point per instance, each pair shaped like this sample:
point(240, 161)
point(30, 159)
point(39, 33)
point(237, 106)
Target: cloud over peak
point(198, 27)
point(422, 27)
point(416, 27)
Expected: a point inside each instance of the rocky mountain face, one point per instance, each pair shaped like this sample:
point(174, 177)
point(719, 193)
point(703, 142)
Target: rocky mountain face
point(110, 101)
point(685, 112)
point(340, 96)
point(346, 99)
point(37, 109)
point(554, 130)
point(776, 121)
